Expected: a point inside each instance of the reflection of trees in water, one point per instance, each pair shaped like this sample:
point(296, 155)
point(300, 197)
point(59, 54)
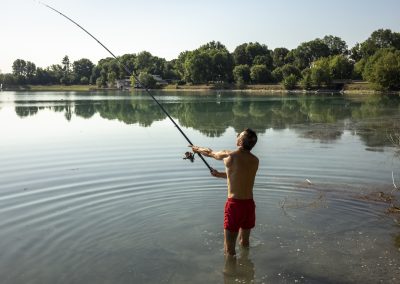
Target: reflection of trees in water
point(24, 111)
point(210, 118)
point(85, 109)
point(377, 120)
point(323, 118)
point(143, 112)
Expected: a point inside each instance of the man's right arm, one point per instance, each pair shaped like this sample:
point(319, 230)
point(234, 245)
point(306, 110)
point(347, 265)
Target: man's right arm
point(218, 174)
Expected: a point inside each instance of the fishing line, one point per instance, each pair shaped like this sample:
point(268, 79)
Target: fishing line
point(133, 74)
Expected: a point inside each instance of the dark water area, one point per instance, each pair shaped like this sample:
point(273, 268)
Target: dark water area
point(93, 188)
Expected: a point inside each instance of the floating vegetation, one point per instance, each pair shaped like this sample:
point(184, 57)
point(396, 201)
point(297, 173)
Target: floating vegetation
point(397, 241)
point(318, 200)
point(393, 210)
point(383, 197)
point(379, 197)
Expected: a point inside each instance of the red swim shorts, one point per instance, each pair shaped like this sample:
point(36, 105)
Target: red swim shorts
point(239, 213)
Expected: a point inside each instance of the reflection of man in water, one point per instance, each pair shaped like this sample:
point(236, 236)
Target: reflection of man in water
point(239, 270)
point(240, 171)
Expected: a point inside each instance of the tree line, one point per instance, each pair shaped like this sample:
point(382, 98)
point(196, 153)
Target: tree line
point(321, 62)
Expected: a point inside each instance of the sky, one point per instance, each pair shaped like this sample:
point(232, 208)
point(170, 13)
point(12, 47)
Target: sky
point(30, 31)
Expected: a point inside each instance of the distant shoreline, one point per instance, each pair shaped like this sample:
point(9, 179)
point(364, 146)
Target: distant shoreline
point(360, 88)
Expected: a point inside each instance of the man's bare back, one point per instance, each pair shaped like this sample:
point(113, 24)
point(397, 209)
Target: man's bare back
point(240, 171)
point(241, 168)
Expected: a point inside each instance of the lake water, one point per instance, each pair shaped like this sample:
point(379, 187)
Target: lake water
point(93, 188)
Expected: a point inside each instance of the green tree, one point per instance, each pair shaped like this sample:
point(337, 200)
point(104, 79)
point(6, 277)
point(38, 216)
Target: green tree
point(289, 69)
point(170, 73)
point(320, 72)
point(280, 73)
point(82, 69)
point(359, 69)
point(67, 77)
point(277, 74)
point(147, 80)
point(246, 53)
point(335, 44)
point(340, 67)
point(210, 62)
point(383, 69)
point(241, 74)
point(197, 67)
point(24, 71)
point(259, 74)
point(306, 82)
point(128, 60)
point(222, 65)
point(308, 52)
point(382, 38)
point(30, 71)
point(146, 62)
point(105, 67)
point(221, 61)
point(66, 63)
point(240, 56)
point(8, 80)
point(43, 76)
point(279, 56)
point(111, 78)
point(180, 63)
point(19, 71)
point(19, 67)
point(57, 72)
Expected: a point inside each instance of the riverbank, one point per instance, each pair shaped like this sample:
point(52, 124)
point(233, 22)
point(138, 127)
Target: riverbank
point(353, 88)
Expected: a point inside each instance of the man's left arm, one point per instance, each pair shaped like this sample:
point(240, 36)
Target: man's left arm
point(218, 155)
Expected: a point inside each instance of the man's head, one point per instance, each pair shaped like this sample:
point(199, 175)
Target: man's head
point(246, 139)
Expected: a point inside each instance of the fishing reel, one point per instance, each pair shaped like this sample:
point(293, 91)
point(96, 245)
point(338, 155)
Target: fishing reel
point(189, 156)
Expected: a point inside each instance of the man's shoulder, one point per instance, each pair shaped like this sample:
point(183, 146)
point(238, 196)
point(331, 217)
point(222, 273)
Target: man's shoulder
point(256, 161)
point(254, 156)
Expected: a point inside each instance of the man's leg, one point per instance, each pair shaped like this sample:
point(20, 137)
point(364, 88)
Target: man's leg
point(244, 238)
point(230, 242)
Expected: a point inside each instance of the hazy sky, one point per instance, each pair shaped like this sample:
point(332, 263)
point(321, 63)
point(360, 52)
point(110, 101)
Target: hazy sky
point(32, 32)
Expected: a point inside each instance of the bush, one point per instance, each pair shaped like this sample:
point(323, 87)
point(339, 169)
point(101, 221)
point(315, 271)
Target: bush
point(289, 83)
point(101, 82)
point(84, 80)
point(240, 84)
point(306, 82)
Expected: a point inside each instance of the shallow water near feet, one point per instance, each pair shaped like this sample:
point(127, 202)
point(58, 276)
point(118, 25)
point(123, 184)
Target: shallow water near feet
point(94, 188)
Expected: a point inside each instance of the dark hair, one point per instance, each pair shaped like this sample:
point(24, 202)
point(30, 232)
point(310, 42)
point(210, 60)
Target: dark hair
point(249, 139)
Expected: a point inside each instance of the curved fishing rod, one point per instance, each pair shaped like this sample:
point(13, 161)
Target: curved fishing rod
point(134, 75)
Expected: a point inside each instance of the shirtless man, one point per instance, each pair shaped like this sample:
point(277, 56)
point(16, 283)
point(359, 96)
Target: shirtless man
point(240, 171)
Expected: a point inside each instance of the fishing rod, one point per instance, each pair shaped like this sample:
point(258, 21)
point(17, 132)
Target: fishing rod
point(188, 155)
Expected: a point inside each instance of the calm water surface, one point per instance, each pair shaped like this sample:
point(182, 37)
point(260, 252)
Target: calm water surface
point(93, 189)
